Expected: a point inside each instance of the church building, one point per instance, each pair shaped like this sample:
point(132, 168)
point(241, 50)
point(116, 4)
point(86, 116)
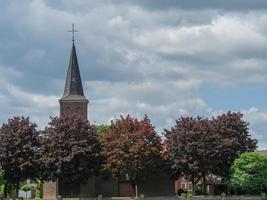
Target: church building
point(74, 101)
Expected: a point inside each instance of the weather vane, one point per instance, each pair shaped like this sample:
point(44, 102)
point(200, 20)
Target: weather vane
point(73, 31)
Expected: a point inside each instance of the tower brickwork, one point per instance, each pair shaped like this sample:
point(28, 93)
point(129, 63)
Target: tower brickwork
point(73, 100)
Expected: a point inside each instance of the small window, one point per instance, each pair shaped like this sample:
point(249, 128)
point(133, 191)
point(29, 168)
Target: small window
point(183, 185)
point(190, 187)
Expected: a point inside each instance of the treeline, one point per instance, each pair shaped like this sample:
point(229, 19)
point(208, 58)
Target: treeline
point(72, 150)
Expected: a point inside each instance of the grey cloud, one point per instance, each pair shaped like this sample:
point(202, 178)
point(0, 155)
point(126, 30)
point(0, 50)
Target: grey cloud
point(205, 4)
point(169, 4)
point(136, 57)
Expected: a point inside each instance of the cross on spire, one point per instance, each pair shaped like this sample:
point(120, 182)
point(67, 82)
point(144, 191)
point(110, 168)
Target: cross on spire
point(73, 31)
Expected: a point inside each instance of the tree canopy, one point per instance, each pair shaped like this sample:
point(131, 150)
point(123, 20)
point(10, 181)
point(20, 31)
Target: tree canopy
point(71, 149)
point(189, 144)
point(198, 147)
point(101, 129)
point(19, 150)
point(232, 139)
point(131, 147)
point(2, 181)
point(250, 172)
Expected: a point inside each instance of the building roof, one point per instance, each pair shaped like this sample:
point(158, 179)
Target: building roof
point(263, 151)
point(73, 87)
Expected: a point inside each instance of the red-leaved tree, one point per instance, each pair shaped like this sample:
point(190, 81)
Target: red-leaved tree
point(232, 139)
point(189, 148)
point(71, 150)
point(19, 150)
point(197, 147)
point(131, 147)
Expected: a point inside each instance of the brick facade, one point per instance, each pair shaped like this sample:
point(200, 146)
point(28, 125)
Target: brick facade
point(74, 107)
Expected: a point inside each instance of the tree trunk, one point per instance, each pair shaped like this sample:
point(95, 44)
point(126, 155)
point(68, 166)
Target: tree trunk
point(193, 186)
point(204, 183)
point(136, 191)
point(5, 191)
point(226, 188)
point(17, 190)
point(134, 187)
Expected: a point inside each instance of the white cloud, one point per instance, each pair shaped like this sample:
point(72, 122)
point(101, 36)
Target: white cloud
point(161, 104)
point(258, 124)
point(255, 115)
point(224, 34)
point(38, 100)
point(16, 102)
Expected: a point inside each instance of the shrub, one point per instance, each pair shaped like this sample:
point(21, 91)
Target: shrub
point(180, 191)
point(200, 191)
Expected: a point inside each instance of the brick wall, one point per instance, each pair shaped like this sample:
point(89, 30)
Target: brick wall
point(69, 108)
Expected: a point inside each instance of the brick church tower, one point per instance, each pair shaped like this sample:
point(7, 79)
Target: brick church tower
point(73, 99)
point(72, 102)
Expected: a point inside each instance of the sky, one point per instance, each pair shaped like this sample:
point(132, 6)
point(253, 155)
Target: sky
point(165, 59)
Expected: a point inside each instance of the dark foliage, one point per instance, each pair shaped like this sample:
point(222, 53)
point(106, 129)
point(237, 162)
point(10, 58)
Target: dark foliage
point(19, 150)
point(180, 191)
point(232, 139)
point(71, 150)
point(189, 144)
point(200, 191)
point(198, 147)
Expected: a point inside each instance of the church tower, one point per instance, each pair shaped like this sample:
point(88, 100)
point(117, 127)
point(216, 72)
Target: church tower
point(73, 100)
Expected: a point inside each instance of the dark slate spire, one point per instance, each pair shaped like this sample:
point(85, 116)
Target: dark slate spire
point(73, 86)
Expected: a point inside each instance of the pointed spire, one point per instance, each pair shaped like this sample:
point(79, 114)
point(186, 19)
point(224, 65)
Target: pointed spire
point(73, 86)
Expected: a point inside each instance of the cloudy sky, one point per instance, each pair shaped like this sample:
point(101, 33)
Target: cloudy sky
point(162, 58)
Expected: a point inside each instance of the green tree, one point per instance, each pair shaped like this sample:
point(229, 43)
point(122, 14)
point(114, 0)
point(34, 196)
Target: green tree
point(101, 129)
point(250, 172)
point(32, 186)
point(26, 187)
point(2, 182)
